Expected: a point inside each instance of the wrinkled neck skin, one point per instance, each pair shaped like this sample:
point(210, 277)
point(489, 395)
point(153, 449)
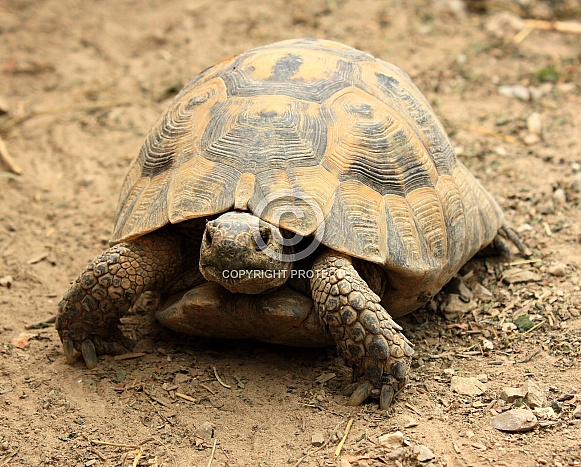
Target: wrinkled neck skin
point(245, 254)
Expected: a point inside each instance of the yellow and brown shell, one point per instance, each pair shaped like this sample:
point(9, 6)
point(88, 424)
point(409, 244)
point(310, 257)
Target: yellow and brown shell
point(343, 137)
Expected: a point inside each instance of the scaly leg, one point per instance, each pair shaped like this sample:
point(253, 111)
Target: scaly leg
point(366, 336)
point(90, 310)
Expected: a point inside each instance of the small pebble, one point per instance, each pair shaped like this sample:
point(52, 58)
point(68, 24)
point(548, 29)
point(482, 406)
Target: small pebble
point(181, 378)
point(396, 454)
point(531, 138)
point(512, 394)
point(515, 421)
point(455, 306)
point(538, 92)
point(6, 281)
point(391, 440)
point(524, 227)
point(423, 453)
point(577, 412)
point(535, 123)
point(545, 413)
point(535, 396)
point(344, 463)
point(506, 327)
point(483, 293)
point(487, 345)
point(458, 287)
point(318, 439)
point(558, 270)
point(559, 196)
point(514, 91)
point(482, 377)
point(204, 431)
point(467, 386)
point(576, 185)
point(565, 397)
point(516, 275)
point(501, 151)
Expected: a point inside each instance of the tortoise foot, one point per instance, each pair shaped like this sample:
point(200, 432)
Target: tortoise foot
point(367, 337)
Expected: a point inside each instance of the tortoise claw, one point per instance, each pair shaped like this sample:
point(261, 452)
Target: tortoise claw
point(69, 350)
point(89, 354)
point(360, 394)
point(349, 389)
point(386, 397)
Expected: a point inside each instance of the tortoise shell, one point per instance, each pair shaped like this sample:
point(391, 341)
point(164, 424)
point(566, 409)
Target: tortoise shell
point(341, 140)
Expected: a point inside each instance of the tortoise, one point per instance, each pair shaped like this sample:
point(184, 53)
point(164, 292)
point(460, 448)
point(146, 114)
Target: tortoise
point(303, 193)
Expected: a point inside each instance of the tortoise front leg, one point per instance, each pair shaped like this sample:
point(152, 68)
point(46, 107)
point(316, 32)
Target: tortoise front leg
point(365, 334)
point(90, 310)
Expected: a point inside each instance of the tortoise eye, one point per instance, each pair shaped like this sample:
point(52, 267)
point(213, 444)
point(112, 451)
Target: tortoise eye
point(265, 236)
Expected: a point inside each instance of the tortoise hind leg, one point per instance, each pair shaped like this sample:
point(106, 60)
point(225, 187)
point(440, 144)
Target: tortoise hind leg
point(365, 334)
point(500, 245)
point(509, 233)
point(90, 310)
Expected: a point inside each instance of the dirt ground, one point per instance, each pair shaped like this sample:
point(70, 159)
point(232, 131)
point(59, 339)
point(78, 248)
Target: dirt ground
point(81, 84)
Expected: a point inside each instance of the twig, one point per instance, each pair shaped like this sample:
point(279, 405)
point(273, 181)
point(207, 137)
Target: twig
point(560, 26)
point(162, 416)
point(488, 131)
point(66, 108)
point(218, 378)
point(128, 356)
point(117, 445)
point(8, 457)
point(212, 453)
point(523, 261)
point(156, 440)
point(181, 395)
point(6, 159)
point(531, 355)
point(239, 382)
point(208, 388)
point(522, 34)
point(37, 258)
point(547, 228)
point(96, 451)
point(342, 442)
point(41, 324)
point(413, 409)
point(137, 457)
point(321, 446)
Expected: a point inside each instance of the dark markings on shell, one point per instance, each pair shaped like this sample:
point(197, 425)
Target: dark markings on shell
point(384, 160)
point(255, 139)
point(286, 68)
point(158, 153)
point(240, 82)
point(415, 105)
point(321, 121)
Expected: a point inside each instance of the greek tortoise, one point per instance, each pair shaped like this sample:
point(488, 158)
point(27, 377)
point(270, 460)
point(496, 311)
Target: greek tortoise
point(302, 192)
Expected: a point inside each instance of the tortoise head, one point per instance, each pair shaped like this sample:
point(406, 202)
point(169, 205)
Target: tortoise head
point(245, 254)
